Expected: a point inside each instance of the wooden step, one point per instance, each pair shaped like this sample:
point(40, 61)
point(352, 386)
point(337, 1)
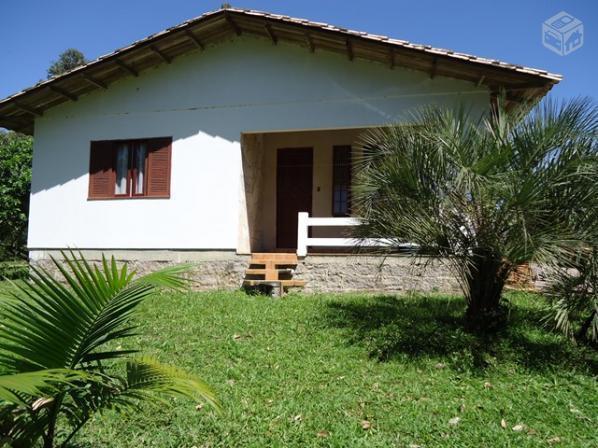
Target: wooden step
point(260, 271)
point(278, 258)
point(271, 266)
point(283, 283)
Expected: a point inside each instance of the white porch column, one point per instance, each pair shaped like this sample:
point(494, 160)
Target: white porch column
point(302, 232)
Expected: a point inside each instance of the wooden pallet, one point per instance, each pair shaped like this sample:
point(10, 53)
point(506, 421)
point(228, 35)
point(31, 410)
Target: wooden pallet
point(522, 278)
point(274, 270)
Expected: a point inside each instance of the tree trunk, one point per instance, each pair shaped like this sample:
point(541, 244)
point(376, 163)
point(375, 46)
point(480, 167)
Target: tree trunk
point(583, 331)
point(49, 438)
point(485, 282)
point(50, 434)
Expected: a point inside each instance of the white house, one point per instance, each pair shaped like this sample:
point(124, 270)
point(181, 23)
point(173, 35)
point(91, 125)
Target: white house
point(204, 141)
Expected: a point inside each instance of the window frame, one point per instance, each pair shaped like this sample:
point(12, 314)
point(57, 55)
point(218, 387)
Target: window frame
point(348, 175)
point(132, 174)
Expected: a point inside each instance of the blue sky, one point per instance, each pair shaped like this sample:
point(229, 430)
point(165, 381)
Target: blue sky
point(34, 32)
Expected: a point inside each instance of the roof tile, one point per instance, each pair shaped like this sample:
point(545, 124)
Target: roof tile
point(321, 25)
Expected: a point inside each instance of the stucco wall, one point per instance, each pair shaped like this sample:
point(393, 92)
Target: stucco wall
point(205, 100)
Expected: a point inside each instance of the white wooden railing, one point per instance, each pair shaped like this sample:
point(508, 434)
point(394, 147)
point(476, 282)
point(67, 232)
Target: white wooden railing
point(304, 241)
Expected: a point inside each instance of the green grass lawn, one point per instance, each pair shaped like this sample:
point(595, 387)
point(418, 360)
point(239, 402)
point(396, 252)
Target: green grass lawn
point(355, 370)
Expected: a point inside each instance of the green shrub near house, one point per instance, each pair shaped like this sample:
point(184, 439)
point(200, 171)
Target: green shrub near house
point(15, 183)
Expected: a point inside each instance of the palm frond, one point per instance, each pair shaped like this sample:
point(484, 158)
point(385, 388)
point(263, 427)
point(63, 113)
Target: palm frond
point(49, 324)
point(57, 340)
point(14, 388)
point(573, 296)
point(147, 377)
point(171, 277)
point(145, 380)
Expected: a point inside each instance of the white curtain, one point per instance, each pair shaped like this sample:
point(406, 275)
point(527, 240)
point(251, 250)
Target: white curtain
point(140, 151)
point(122, 168)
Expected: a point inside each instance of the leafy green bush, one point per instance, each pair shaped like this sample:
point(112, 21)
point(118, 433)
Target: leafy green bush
point(13, 270)
point(15, 185)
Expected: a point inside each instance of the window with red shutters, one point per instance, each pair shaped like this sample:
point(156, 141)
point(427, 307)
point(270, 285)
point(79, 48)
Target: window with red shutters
point(138, 168)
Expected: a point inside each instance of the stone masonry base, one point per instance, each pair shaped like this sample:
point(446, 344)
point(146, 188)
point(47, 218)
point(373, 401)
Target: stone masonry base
point(336, 273)
point(323, 273)
point(211, 269)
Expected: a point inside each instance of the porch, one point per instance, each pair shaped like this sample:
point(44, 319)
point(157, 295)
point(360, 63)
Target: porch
point(297, 193)
point(288, 173)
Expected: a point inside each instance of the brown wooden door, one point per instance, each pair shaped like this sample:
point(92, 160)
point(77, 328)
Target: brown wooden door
point(294, 174)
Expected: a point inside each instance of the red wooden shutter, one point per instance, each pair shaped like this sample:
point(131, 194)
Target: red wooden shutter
point(158, 167)
point(101, 170)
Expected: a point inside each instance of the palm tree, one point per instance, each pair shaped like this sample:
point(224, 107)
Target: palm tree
point(484, 193)
point(60, 356)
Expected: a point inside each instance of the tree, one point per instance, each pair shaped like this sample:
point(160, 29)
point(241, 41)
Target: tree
point(68, 60)
point(15, 184)
point(60, 353)
point(484, 193)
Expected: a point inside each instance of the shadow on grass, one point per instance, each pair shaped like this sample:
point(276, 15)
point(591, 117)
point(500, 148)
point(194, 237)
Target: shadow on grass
point(419, 327)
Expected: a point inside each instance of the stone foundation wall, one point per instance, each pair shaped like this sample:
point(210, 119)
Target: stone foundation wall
point(211, 269)
point(323, 273)
point(395, 273)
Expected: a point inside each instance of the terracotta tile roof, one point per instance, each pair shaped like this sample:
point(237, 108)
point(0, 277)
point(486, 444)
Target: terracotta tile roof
point(404, 43)
point(30, 102)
